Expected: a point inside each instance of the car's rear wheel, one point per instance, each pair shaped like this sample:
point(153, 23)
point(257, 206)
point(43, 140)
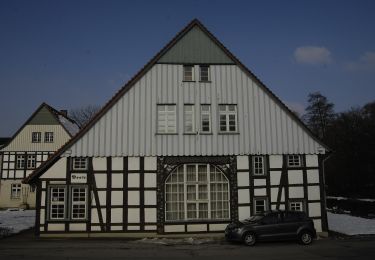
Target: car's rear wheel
point(249, 239)
point(305, 238)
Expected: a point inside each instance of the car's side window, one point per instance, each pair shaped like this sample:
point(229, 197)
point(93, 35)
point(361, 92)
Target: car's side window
point(292, 217)
point(272, 218)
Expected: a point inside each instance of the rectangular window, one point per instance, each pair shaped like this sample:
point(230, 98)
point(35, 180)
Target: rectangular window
point(79, 203)
point(294, 160)
point(20, 161)
point(48, 137)
point(260, 205)
point(57, 203)
point(205, 118)
point(167, 119)
point(36, 137)
point(228, 118)
point(189, 119)
point(31, 161)
point(15, 192)
point(80, 163)
point(204, 73)
point(258, 165)
point(296, 205)
point(188, 73)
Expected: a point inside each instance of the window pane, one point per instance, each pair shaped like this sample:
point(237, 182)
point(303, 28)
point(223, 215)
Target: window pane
point(188, 73)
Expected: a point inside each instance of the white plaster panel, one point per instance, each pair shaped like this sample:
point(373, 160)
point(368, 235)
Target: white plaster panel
point(295, 177)
point(282, 206)
point(273, 207)
point(117, 180)
point(116, 228)
point(318, 225)
point(295, 192)
point(150, 197)
point(150, 227)
point(44, 184)
point(12, 157)
point(150, 163)
point(242, 179)
point(133, 180)
point(5, 157)
point(19, 174)
point(43, 199)
point(133, 163)
point(133, 197)
point(174, 228)
point(116, 216)
point(313, 192)
point(150, 180)
point(150, 215)
point(5, 166)
point(41, 220)
point(275, 177)
point(101, 180)
point(56, 227)
point(217, 227)
point(11, 165)
point(276, 161)
point(196, 228)
point(314, 209)
point(99, 163)
point(117, 163)
point(260, 192)
point(259, 182)
point(134, 227)
point(117, 198)
point(95, 228)
point(243, 212)
point(41, 228)
point(242, 162)
point(94, 216)
point(312, 176)
point(312, 160)
point(77, 227)
point(133, 216)
point(57, 170)
point(274, 193)
point(102, 197)
point(243, 196)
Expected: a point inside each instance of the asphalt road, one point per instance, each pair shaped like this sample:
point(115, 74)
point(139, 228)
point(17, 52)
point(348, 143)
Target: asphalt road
point(25, 246)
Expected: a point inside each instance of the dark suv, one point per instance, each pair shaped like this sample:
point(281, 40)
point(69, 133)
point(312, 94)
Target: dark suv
point(272, 225)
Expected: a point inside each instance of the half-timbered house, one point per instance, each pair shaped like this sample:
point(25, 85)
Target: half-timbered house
point(193, 141)
point(40, 136)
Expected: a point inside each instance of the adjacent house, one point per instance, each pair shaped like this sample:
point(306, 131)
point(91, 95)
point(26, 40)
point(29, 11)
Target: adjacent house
point(193, 141)
point(41, 135)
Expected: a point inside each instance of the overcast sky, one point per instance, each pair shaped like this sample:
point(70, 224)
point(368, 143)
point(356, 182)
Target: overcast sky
point(74, 53)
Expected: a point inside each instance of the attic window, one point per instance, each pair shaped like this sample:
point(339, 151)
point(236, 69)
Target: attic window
point(204, 73)
point(188, 73)
point(79, 163)
point(294, 160)
point(36, 137)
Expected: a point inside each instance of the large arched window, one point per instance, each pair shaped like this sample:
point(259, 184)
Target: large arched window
point(196, 192)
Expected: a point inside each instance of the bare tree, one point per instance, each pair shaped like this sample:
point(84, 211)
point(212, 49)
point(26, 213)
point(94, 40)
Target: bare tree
point(84, 114)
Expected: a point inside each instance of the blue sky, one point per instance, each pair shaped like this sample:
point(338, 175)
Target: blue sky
point(74, 53)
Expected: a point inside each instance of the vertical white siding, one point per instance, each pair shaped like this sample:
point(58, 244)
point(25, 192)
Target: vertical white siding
point(129, 127)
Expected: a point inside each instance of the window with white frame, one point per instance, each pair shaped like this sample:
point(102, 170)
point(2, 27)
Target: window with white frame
point(228, 118)
point(205, 119)
point(204, 73)
point(296, 205)
point(57, 203)
point(36, 137)
point(258, 165)
point(15, 191)
point(79, 163)
point(189, 119)
point(294, 160)
point(260, 205)
point(20, 161)
point(79, 203)
point(188, 73)
point(48, 137)
point(167, 119)
point(31, 161)
point(196, 191)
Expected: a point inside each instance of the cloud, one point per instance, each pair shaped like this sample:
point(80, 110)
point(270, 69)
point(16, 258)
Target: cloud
point(312, 55)
point(297, 107)
point(366, 62)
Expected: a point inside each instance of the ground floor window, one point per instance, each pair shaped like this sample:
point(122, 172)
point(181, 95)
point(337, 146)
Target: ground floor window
point(57, 202)
point(196, 192)
point(79, 202)
point(15, 191)
point(260, 205)
point(296, 205)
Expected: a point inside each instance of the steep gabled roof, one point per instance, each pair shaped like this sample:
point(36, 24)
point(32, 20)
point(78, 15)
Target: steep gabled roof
point(160, 58)
point(54, 117)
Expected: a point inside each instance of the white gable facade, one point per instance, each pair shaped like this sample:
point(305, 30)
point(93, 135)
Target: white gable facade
point(194, 142)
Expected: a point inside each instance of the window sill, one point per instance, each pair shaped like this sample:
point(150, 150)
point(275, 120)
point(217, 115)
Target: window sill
point(207, 133)
point(229, 133)
point(188, 81)
point(190, 133)
point(205, 81)
point(166, 133)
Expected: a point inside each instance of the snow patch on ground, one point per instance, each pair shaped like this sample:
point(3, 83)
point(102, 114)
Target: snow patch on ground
point(350, 225)
point(14, 221)
point(176, 241)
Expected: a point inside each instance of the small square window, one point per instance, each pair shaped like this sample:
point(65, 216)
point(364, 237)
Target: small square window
point(188, 73)
point(228, 118)
point(15, 192)
point(80, 163)
point(296, 205)
point(260, 205)
point(36, 137)
point(48, 137)
point(204, 73)
point(294, 160)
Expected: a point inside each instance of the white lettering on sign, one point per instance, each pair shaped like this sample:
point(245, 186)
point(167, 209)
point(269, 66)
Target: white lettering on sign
point(78, 178)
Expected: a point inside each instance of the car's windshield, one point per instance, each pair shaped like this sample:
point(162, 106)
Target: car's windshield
point(254, 218)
